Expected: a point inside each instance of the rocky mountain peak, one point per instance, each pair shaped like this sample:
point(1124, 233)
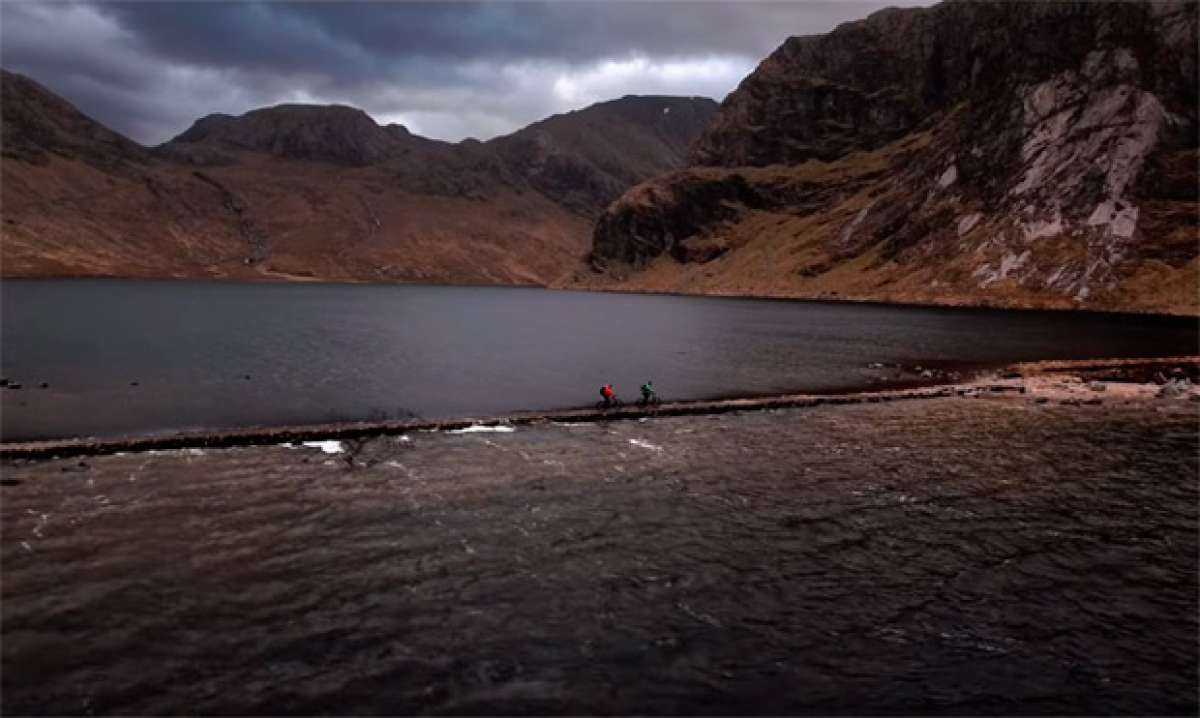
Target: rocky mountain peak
point(327, 133)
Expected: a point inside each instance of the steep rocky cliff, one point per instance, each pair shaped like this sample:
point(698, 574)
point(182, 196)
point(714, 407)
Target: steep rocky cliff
point(1033, 154)
point(303, 192)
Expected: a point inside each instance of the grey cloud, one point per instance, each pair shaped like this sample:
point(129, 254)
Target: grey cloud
point(354, 35)
point(248, 36)
point(451, 69)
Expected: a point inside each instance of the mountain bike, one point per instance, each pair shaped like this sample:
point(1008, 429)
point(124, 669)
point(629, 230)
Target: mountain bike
point(613, 403)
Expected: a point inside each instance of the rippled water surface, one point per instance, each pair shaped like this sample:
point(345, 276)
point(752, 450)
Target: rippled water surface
point(952, 556)
point(215, 355)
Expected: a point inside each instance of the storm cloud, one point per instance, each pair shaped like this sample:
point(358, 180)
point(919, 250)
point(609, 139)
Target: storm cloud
point(445, 70)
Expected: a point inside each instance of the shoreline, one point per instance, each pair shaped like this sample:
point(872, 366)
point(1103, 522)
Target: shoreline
point(949, 303)
point(1014, 382)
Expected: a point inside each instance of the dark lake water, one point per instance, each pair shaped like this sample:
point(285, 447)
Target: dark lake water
point(213, 355)
point(949, 557)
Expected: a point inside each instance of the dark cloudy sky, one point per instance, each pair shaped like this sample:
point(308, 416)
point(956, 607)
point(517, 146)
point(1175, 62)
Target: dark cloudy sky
point(445, 70)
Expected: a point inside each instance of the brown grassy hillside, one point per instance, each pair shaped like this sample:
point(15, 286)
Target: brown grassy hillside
point(306, 192)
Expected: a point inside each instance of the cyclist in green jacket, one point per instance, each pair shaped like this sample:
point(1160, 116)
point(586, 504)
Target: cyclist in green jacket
point(648, 393)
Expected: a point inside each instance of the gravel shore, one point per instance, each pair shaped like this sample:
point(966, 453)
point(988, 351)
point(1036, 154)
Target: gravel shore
point(951, 555)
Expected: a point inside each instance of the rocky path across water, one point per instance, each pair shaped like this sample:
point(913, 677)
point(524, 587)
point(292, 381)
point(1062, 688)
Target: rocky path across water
point(1136, 378)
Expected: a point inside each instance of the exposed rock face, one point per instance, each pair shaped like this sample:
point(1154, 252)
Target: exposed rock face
point(872, 81)
point(1015, 153)
point(660, 217)
point(302, 192)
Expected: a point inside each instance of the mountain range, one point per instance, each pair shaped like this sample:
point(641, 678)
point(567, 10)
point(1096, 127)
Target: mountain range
point(1010, 154)
point(321, 192)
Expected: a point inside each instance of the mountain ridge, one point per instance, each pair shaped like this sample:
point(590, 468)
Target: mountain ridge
point(334, 133)
point(1005, 154)
point(302, 192)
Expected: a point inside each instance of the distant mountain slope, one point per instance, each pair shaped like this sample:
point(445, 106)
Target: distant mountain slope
point(333, 133)
point(1030, 154)
point(318, 192)
point(587, 158)
point(37, 123)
